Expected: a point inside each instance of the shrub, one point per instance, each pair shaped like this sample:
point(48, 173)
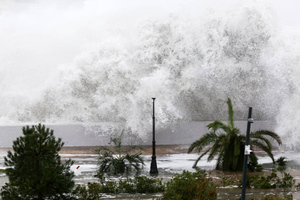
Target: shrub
point(90, 192)
point(110, 187)
point(187, 186)
point(270, 181)
point(139, 184)
point(148, 185)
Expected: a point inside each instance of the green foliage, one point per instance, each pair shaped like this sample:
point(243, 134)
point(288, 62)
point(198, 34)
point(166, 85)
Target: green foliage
point(287, 181)
point(277, 197)
point(118, 159)
point(90, 192)
point(226, 181)
point(253, 164)
point(261, 181)
point(226, 142)
point(271, 181)
point(281, 164)
point(127, 186)
point(35, 170)
point(110, 187)
point(148, 185)
point(138, 184)
point(187, 186)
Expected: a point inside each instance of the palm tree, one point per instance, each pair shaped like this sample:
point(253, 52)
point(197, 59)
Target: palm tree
point(118, 159)
point(226, 142)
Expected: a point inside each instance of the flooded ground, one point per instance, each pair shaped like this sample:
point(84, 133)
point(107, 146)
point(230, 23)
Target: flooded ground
point(85, 166)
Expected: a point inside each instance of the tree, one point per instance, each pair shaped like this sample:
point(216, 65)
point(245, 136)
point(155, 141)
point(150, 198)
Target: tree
point(118, 159)
point(35, 168)
point(226, 141)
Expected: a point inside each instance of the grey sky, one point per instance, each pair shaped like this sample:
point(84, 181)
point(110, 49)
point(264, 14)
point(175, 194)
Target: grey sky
point(287, 10)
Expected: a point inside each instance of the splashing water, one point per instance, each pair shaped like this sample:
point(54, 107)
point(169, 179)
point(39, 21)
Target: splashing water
point(94, 61)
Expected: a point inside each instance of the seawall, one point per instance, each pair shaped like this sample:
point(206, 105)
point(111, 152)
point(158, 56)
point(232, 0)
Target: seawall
point(82, 135)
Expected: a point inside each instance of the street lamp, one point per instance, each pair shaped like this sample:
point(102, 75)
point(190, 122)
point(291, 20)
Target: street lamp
point(246, 153)
point(153, 168)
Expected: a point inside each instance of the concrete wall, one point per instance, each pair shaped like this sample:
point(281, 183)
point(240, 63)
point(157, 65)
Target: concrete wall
point(80, 135)
point(186, 133)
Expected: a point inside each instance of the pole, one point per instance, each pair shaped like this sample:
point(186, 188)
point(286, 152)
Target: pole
point(246, 153)
point(153, 168)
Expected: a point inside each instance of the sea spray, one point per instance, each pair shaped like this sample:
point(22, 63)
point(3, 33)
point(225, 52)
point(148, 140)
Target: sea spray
point(190, 63)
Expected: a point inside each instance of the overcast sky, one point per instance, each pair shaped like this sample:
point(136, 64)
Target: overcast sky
point(287, 10)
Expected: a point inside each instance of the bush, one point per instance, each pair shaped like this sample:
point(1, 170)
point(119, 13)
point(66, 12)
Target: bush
point(188, 186)
point(139, 184)
point(148, 185)
point(271, 181)
point(110, 187)
point(90, 192)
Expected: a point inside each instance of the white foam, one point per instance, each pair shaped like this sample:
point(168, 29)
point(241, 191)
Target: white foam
point(97, 61)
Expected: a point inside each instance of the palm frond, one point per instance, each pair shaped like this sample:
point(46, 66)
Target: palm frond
point(230, 113)
point(196, 162)
point(105, 165)
point(262, 138)
point(225, 141)
point(214, 151)
point(205, 140)
point(269, 133)
point(216, 125)
point(217, 147)
point(204, 153)
point(135, 158)
point(264, 148)
point(135, 161)
point(220, 158)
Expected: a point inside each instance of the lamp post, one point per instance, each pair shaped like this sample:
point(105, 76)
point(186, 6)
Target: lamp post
point(153, 168)
point(246, 153)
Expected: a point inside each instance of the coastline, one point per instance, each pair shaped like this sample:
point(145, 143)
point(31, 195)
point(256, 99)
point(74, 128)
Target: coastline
point(145, 149)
